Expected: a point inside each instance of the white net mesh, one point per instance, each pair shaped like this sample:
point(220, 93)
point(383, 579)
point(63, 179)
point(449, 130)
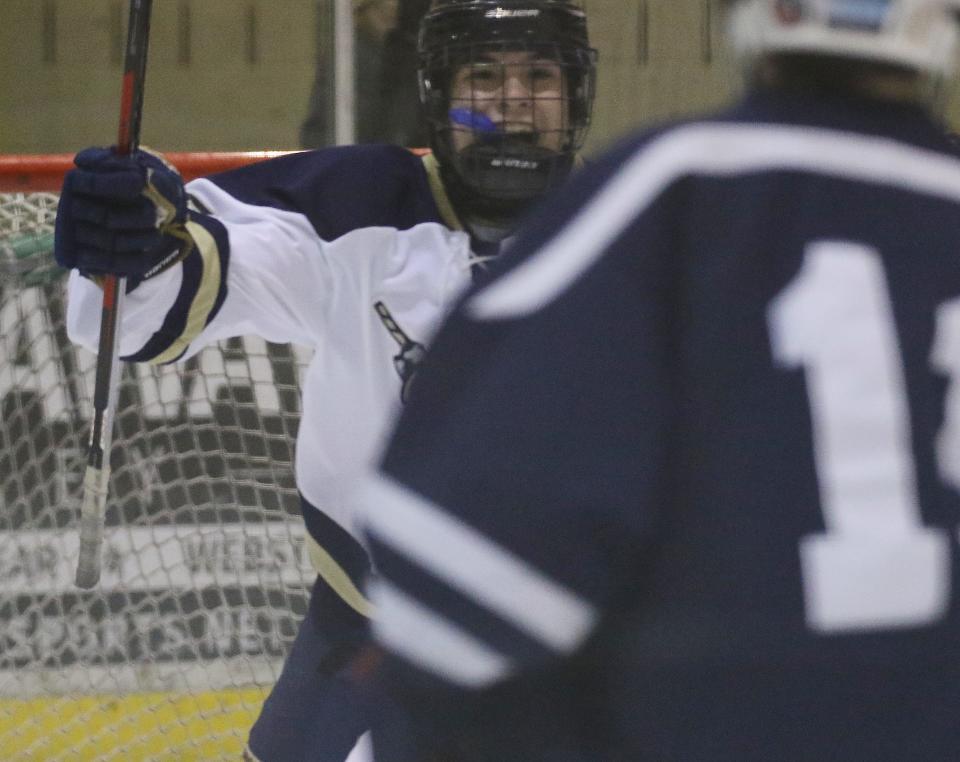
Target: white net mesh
point(205, 570)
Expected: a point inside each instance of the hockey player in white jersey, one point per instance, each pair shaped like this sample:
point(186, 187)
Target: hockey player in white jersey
point(354, 251)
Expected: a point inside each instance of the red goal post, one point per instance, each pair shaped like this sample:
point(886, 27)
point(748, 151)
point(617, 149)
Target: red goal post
point(44, 172)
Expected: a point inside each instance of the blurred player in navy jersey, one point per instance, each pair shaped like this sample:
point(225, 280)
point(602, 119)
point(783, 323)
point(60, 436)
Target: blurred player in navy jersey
point(356, 252)
point(684, 471)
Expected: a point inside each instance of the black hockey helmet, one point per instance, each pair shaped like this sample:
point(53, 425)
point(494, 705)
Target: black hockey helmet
point(500, 173)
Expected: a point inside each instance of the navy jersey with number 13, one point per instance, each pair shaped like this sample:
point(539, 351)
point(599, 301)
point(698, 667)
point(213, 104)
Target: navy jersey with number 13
point(702, 432)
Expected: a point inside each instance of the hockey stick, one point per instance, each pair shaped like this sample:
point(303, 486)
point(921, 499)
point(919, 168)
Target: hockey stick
point(97, 476)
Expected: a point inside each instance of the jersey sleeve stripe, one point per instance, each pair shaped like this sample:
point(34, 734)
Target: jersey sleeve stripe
point(430, 642)
point(202, 292)
point(487, 573)
point(708, 150)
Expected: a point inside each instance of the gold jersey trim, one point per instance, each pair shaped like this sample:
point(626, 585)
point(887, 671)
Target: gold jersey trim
point(335, 576)
point(205, 298)
point(440, 197)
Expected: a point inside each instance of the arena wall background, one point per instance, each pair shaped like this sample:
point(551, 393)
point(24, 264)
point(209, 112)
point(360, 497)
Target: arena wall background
point(236, 74)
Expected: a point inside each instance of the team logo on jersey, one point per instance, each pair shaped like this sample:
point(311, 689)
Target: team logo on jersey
point(411, 354)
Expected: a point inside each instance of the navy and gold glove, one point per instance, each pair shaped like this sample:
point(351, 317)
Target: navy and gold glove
point(121, 215)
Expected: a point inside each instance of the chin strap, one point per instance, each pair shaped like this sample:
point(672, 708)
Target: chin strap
point(510, 170)
point(488, 194)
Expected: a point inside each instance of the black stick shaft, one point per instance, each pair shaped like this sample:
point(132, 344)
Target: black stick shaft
point(97, 477)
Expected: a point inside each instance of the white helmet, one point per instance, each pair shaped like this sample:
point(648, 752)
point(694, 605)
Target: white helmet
point(915, 34)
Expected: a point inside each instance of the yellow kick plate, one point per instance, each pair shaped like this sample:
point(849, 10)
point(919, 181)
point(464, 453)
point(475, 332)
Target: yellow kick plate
point(159, 727)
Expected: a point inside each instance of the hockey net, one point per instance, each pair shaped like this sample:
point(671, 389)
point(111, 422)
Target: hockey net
point(205, 570)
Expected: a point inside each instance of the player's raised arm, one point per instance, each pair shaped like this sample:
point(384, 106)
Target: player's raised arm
point(128, 216)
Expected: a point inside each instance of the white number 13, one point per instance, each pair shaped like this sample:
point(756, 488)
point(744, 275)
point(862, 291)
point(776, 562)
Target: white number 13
point(876, 566)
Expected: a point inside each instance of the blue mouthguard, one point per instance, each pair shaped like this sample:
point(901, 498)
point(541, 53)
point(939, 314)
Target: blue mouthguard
point(473, 120)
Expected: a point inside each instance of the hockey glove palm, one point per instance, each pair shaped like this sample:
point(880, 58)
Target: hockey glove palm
point(121, 215)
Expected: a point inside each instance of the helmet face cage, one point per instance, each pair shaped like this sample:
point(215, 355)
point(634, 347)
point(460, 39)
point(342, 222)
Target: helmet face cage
point(507, 89)
point(488, 67)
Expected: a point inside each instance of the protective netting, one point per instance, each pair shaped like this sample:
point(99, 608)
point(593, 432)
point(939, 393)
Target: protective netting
point(205, 569)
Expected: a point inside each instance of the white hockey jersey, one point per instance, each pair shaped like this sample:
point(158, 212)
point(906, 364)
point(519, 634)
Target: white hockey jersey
point(354, 252)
